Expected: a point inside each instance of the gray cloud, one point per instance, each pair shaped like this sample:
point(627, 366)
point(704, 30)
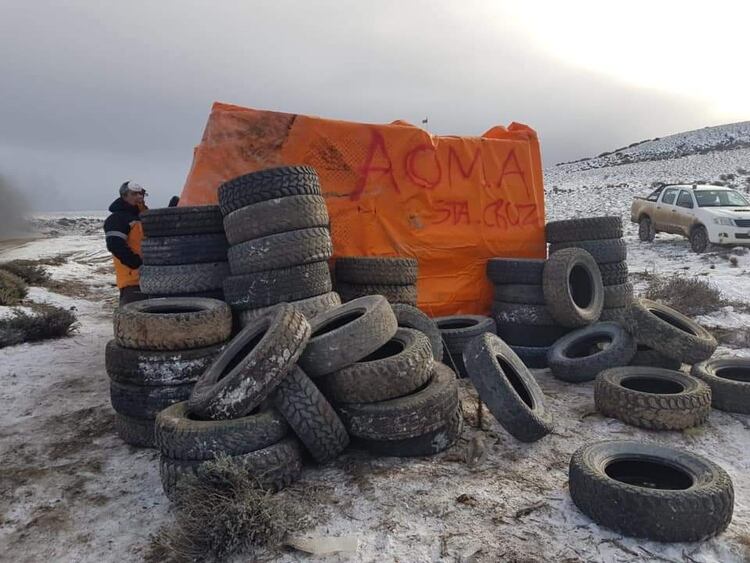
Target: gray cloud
point(97, 93)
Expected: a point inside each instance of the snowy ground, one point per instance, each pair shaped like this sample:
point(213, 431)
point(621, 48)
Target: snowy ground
point(71, 491)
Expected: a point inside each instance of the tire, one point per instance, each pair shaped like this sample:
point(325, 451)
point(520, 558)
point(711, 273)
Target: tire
point(139, 401)
point(517, 271)
point(405, 417)
point(273, 467)
point(257, 360)
point(138, 432)
point(365, 270)
point(614, 273)
point(268, 184)
point(729, 379)
point(617, 296)
point(458, 330)
point(654, 398)
point(615, 315)
point(310, 307)
point(172, 323)
point(456, 363)
point(431, 443)
point(699, 239)
point(677, 512)
point(578, 356)
point(678, 337)
point(517, 313)
point(261, 289)
point(276, 216)
point(406, 294)
point(186, 249)
point(589, 228)
point(310, 416)
point(398, 368)
point(176, 221)
point(281, 250)
point(646, 230)
point(573, 288)
point(646, 357)
point(347, 334)
point(411, 317)
point(507, 387)
point(183, 278)
point(531, 356)
point(179, 435)
point(530, 335)
point(155, 368)
point(518, 293)
point(605, 251)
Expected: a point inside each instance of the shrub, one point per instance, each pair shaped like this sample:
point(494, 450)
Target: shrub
point(44, 323)
point(12, 288)
point(28, 270)
point(691, 296)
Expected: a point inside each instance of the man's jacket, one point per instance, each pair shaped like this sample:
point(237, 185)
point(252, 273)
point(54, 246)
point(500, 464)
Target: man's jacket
point(124, 233)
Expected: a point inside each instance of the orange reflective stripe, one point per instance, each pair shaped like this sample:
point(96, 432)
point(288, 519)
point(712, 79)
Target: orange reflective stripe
point(127, 276)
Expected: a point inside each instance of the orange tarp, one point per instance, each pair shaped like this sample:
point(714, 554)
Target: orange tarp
point(450, 202)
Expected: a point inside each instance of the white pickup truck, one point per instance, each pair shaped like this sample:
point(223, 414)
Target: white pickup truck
point(702, 213)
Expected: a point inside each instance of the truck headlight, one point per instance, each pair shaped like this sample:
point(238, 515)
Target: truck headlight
point(723, 221)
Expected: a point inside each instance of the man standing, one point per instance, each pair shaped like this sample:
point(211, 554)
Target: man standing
point(124, 233)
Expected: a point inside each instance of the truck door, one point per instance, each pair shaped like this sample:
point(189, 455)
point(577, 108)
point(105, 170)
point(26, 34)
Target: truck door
point(683, 213)
point(664, 207)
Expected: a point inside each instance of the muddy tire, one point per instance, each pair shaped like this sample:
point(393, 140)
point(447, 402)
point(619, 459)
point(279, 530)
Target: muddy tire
point(519, 293)
point(531, 356)
point(347, 334)
point(579, 356)
point(573, 289)
point(406, 294)
point(172, 323)
point(650, 491)
point(186, 249)
point(411, 317)
point(729, 379)
point(614, 315)
point(261, 289)
point(310, 307)
point(406, 417)
point(669, 332)
point(310, 416)
point(654, 398)
point(615, 273)
point(535, 336)
point(398, 368)
point(699, 239)
point(177, 221)
point(522, 314)
point(604, 251)
point(516, 271)
point(251, 365)
point(365, 270)
point(458, 330)
point(645, 356)
point(183, 278)
point(588, 228)
point(646, 230)
point(281, 250)
point(616, 296)
point(138, 432)
point(137, 401)
point(507, 387)
point(268, 184)
point(147, 367)
point(276, 215)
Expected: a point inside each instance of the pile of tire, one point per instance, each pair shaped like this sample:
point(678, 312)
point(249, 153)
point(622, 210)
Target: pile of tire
point(456, 332)
point(160, 349)
point(277, 224)
point(184, 252)
point(395, 278)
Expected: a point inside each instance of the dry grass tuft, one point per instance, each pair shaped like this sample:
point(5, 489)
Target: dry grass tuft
point(690, 296)
point(12, 288)
point(44, 323)
point(29, 271)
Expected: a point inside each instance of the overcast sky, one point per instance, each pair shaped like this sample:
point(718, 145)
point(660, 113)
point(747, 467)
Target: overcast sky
point(95, 93)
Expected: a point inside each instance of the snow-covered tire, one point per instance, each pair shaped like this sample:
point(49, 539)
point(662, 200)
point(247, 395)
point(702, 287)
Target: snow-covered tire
point(507, 387)
point(393, 293)
point(348, 333)
point(514, 270)
point(520, 293)
point(309, 307)
point(729, 379)
point(411, 317)
point(522, 314)
point(533, 357)
point(577, 356)
point(534, 336)
point(172, 323)
point(155, 367)
point(179, 435)
point(280, 250)
point(268, 184)
point(458, 330)
point(310, 416)
point(398, 368)
point(251, 365)
point(405, 417)
point(616, 296)
point(614, 273)
point(183, 278)
point(138, 432)
point(651, 491)
point(588, 228)
point(573, 289)
point(176, 221)
point(273, 467)
point(669, 332)
point(186, 249)
point(604, 251)
point(276, 215)
point(370, 270)
point(645, 356)
point(261, 289)
point(140, 401)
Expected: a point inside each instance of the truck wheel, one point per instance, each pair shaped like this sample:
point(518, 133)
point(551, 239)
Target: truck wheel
point(699, 239)
point(646, 230)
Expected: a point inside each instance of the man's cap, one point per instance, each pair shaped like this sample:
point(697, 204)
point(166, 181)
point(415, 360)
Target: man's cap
point(131, 187)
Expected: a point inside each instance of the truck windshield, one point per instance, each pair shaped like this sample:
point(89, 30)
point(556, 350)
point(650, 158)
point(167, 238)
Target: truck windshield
point(720, 198)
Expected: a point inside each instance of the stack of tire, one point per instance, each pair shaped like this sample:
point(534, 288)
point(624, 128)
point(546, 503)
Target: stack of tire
point(456, 331)
point(383, 381)
point(395, 278)
point(276, 222)
point(184, 252)
point(519, 309)
point(160, 349)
